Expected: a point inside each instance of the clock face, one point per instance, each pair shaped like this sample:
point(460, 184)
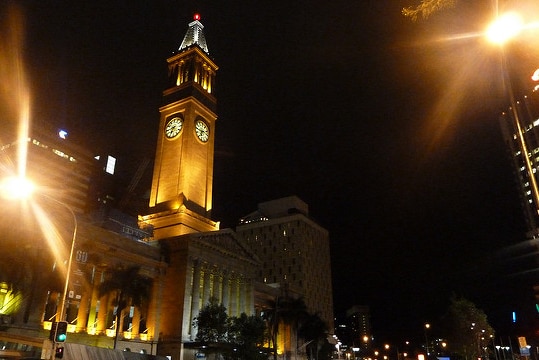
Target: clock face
point(202, 130)
point(173, 127)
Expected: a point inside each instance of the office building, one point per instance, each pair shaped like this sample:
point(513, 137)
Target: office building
point(524, 113)
point(294, 251)
point(359, 325)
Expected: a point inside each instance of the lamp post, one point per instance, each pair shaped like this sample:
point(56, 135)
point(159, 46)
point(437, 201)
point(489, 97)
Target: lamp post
point(20, 188)
point(427, 327)
point(61, 316)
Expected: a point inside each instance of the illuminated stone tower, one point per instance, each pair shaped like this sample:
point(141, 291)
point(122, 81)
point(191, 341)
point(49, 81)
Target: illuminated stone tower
point(181, 195)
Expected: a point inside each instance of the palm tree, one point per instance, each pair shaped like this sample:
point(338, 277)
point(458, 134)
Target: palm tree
point(314, 331)
point(130, 289)
point(284, 310)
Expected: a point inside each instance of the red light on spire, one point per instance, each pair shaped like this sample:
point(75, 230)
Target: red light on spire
point(196, 17)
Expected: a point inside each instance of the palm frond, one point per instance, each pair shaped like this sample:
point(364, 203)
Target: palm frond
point(426, 8)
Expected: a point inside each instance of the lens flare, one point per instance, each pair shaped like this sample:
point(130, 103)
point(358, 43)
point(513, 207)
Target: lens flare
point(14, 89)
point(505, 28)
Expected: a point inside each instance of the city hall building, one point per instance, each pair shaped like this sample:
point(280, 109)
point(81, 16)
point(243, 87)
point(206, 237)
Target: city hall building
point(178, 249)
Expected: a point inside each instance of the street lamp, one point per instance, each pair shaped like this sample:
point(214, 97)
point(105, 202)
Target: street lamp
point(20, 188)
point(427, 327)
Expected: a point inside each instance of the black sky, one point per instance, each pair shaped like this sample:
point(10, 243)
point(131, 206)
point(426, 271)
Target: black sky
point(389, 134)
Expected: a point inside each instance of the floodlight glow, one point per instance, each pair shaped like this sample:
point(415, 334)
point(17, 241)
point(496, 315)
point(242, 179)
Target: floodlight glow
point(16, 188)
point(504, 28)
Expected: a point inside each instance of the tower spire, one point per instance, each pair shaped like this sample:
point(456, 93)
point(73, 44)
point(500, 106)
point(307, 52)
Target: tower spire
point(195, 35)
point(182, 185)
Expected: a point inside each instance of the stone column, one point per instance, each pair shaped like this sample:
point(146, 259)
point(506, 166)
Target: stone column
point(218, 286)
point(154, 307)
point(101, 323)
point(195, 306)
point(91, 324)
point(206, 286)
point(188, 300)
point(226, 290)
point(82, 314)
point(135, 322)
point(233, 297)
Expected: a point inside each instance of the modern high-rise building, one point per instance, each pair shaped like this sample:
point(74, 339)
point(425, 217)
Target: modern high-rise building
point(359, 323)
point(294, 251)
point(523, 151)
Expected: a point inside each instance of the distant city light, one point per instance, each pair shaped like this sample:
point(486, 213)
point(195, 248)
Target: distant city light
point(62, 134)
point(514, 317)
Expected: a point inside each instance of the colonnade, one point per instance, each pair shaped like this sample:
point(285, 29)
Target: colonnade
point(229, 287)
point(87, 312)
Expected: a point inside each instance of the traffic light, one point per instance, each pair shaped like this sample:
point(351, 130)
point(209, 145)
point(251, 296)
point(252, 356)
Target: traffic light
point(59, 352)
point(60, 333)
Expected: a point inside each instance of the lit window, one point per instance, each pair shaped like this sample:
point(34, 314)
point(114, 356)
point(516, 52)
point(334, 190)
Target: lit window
point(60, 153)
point(111, 164)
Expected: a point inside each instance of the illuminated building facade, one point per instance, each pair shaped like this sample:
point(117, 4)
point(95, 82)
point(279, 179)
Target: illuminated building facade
point(294, 251)
point(182, 185)
point(177, 247)
point(359, 325)
point(527, 112)
point(203, 261)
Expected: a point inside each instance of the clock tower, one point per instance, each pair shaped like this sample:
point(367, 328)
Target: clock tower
point(181, 194)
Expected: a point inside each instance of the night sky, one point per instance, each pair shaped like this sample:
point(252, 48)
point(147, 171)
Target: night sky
point(385, 127)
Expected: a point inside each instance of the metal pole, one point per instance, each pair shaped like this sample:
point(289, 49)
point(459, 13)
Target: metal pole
point(61, 316)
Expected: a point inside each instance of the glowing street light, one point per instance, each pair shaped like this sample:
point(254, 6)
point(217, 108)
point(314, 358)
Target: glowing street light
point(21, 188)
point(427, 327)
point(16, 188)
point(504, 28)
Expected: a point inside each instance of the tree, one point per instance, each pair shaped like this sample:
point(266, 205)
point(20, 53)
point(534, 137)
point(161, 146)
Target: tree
point(284, 310)
point(466, 328)
point(212, 323)
point(130, 289)
point(247, 335)
point(240, 337)
point(427, 8)
point(314, 331)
